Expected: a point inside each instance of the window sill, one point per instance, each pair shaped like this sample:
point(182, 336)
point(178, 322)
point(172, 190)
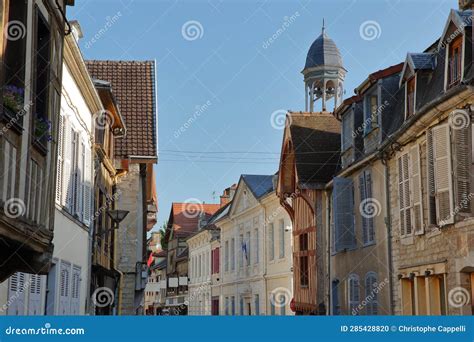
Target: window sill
point(368, 244)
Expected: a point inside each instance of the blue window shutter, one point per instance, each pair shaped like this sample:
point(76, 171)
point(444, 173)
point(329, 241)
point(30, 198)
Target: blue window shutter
point(363, 198)
point(343, 206)
point(335, 297)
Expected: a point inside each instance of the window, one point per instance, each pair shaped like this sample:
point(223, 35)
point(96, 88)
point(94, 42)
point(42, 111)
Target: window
point(247, 248)
point(335, 297)
point(241, 309)
point(226, 251)
point(370, 112)
point(455, 61)
point(215, 260)
point(257, 305)
point(410, 96)
point(272, 305)
point(232, 254)
point(282, 239)
point(368, 207)
point(241, 250)
point(354, 295)
point(232, 304)
point(423, 295)
point(227, 306)
point(9, 170)
point(35, 198)
point(215, 306)
point(416, 191)
point(271, 247)
point(304, 242)
point(14, 61)
point(347, 131)
point(304, 276)
point(257, 247)
point(41, 83)
point(404, 195)
point(343, 208)
point(371, 293)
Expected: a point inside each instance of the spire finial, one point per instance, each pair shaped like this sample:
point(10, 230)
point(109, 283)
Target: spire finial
point(324, 28)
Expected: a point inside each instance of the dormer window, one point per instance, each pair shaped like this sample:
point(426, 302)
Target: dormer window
point(454, 61)
point(371, 112)
point(347, 131)
point(410, 96)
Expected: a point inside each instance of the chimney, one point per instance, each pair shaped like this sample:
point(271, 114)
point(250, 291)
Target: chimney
point(228, 194)
point(465, 4)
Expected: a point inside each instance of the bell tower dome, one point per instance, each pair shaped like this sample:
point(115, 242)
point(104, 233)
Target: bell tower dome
point(323, 73)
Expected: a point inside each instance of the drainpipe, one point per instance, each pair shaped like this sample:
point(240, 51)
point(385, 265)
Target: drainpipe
point(328, 251)
point(264, 259)
point(388, 224)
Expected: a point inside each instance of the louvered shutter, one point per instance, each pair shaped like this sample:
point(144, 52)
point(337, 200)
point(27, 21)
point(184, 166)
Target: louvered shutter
point(75, 290)
point(343, 199)
point(67, 168)
point(354, 295)
point(416, 191)
point(371, 294)
point(35, 295)
point(363, 198)
point(370, 220)
point(64, 289)
point(87, 185)
point(431, 179)
point(79, 182)
point(443, 175)
point(462, 167)
point(16, 294)
point(59, 173)
point(404, 195)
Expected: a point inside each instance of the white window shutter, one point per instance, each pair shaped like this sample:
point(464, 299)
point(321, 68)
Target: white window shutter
point(443, 175)
point(59, 174)
point(404, 195)
point(67, 168)
point(416, 191)
point(64, 289)
point(35, 295)
point(461, 142)
point(16, 294)
point(79, 177)
point(431, 189)
point(75, 290)
point(87, 186)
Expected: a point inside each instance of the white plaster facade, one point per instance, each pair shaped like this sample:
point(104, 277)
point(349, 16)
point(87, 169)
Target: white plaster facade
point(250, 275)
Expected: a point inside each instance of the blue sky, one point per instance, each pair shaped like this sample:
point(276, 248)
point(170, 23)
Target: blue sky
point(220, 81)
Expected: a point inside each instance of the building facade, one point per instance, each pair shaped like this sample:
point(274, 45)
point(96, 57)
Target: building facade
point(135, 154)
point(255, 261)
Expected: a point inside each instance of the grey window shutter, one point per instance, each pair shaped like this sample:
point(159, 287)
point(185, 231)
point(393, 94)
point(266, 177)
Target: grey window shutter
point(431, 179)
point(368, 192)
point(343, 199)
point(462, 167)
point(416, 191)
point(363, 198)
point(443, 174)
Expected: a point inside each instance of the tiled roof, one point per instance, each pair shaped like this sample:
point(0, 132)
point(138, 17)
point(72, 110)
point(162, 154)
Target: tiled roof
point(391, 70)
point(260, 185)
point(422, 61)
point(316, 142)
point(184, 217)
point(133, 84)
point(323, 51)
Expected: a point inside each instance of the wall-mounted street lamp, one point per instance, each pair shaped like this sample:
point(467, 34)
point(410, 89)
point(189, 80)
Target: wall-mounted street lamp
point(117, 215)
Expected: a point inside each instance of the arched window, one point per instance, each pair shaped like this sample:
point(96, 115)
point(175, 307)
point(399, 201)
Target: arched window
point(354, 294)
point(371, 293)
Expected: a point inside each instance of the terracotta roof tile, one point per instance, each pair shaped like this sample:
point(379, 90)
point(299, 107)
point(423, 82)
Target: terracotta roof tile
point(184, 217)
point(133, 84)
